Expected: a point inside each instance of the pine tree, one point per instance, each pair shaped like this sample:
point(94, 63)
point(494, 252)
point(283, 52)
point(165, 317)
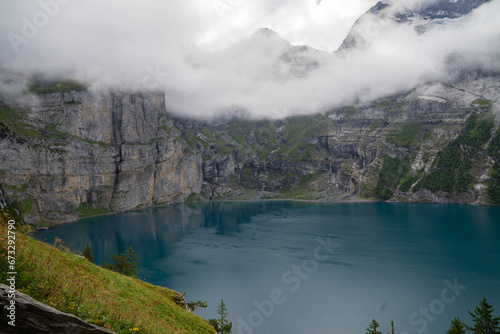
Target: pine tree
point(131, 259)
point(87, 253)
point(372, 328)
point(457, 327)
point(125, 263)
point(222, 326)
point(484, 323)
point(392, 327)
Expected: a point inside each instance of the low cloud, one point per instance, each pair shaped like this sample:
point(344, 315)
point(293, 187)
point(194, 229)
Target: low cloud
point(209, 64)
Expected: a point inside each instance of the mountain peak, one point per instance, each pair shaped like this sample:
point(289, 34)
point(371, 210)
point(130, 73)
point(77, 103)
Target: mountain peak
point(266, 32)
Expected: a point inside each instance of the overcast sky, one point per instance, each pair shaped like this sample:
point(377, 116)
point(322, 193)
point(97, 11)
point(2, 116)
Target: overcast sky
point(178, 46)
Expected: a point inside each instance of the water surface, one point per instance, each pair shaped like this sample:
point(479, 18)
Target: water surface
point(292, 267)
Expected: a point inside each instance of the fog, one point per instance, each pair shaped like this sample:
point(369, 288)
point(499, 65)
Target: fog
point(209, 60)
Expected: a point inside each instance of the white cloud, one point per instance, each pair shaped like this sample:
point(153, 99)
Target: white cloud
point(151, 44)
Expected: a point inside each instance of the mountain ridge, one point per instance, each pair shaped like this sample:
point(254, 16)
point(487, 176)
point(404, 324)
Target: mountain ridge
point(86, 153)
point(70, 151)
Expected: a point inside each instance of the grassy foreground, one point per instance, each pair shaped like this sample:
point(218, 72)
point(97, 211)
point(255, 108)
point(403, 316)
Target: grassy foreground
point(56, 277)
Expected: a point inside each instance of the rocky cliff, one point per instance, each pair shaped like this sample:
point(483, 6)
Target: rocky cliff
point(78, 153)
point(433, 144)
point(75, 153)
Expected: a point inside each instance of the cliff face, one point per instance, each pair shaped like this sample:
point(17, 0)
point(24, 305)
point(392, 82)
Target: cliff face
point(430, 144)
point(80, 153)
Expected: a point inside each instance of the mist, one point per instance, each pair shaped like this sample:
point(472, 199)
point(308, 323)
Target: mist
point(209, 60)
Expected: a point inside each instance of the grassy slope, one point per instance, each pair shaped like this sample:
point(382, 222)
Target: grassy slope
point(71, 284)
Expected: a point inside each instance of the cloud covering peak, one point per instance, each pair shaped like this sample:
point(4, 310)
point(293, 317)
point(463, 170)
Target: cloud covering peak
point(211, 60)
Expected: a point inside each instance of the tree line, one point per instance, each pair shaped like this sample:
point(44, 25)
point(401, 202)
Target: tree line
point(483, 322)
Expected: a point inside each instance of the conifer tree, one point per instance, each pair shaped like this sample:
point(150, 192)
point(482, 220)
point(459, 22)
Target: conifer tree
point(222, 326)
point(124, 263)
point(457, 327)
point(372, 328)
point(87, 253)
point(131, 259)
point(484, 322)
point(392, 327)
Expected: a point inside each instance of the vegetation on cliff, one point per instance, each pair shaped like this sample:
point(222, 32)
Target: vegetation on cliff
point(62, 86)
point(494, 183)
point(453, 164)
point(87, 159)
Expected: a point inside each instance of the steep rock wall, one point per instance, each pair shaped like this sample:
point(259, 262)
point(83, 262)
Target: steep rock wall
point(74, 154)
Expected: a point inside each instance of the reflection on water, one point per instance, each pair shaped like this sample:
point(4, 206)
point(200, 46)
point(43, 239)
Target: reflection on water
point(151, 231)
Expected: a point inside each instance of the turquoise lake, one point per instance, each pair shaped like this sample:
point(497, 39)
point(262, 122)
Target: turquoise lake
point(311, 268)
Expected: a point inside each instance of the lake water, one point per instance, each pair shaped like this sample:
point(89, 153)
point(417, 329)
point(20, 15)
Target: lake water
point(310, 268)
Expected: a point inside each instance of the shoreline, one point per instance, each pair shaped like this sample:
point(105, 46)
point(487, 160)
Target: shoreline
point(257, 197)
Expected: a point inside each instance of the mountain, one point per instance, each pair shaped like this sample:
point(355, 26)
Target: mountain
point(420, 15)
point(264, 56)
point(77, 153)
point(68, 151)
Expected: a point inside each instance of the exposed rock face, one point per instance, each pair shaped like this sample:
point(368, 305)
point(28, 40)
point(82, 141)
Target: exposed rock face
point(87, 150)
point(34, 317)
point(343, 153)
point(77, 154)
point(3, 203)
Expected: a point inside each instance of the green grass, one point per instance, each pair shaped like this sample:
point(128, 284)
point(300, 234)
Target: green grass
point(409, 180)
point(19, 189)
point(56, 277)
point(349, 112)
point(54, 133)
point(58, 87)
point(482, 103)
point(193, 197)
point(8, 114)
point(87, 210)
point(304, 189)
point(238, 130)
point(11, 122)
point(261, 151)
point(377, 124)
point(25, 206)
point(217, 140)
point(383, 103)
point(298, 128)
point(408, 137)
point(267, 133)
point(191, 139)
